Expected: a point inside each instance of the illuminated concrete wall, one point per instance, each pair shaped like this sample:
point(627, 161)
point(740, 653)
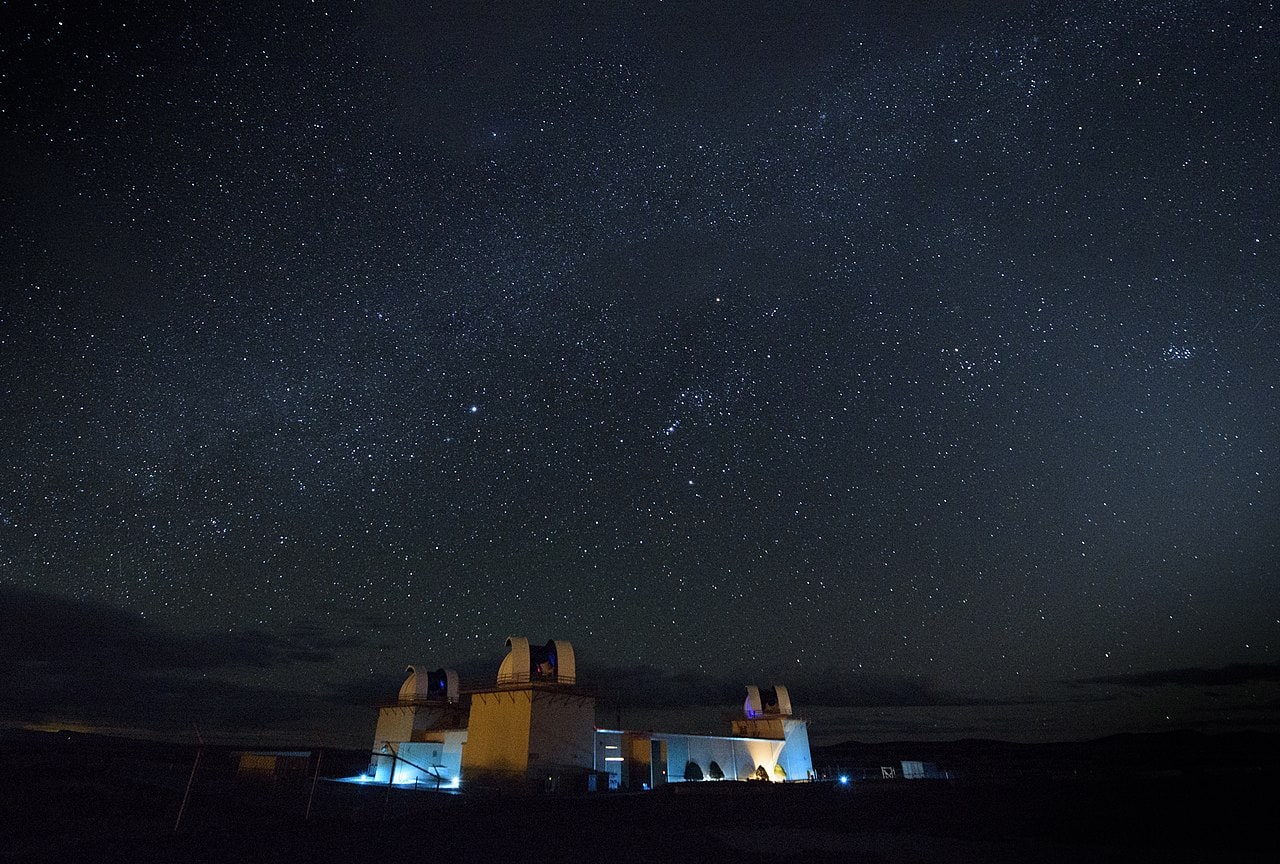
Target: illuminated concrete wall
point(760, 727)
point(784, 757)
point(562, 733)
point(498, 735)
point(795, 757)
point(434, 763)
point(737, 758)
point(528, 736)
point(395, 724)
point(410, 722)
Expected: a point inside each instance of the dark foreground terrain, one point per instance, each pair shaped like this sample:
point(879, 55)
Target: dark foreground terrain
point(1178, 798)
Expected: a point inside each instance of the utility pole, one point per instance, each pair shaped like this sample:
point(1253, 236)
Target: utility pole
point(314, 778)
point(190, 780)
point(391, 778)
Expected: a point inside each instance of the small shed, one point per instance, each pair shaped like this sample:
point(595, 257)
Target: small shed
point(273, 764)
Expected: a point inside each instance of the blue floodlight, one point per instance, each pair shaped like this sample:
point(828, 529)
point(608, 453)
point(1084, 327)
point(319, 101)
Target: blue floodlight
point(844, 779)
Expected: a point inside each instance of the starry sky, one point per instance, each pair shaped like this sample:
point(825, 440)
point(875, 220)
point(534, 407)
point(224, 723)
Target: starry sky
point(919, 356)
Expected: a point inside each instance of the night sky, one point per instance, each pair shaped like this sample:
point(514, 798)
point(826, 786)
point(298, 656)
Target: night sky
point(921, 356)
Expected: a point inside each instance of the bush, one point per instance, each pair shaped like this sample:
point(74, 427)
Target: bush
point(692, 771)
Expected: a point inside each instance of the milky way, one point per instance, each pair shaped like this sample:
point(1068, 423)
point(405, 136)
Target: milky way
point(773, 339)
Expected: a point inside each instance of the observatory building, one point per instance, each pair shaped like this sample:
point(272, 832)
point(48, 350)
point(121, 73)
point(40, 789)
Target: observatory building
point(535, 729)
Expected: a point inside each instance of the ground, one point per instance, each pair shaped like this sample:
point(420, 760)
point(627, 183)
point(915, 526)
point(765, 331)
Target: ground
point(122, 805)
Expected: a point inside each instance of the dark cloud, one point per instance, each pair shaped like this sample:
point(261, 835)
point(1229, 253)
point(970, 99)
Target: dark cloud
point(1236, 673)
point(1079, 692)
point(66, 659)
point(651, 687)
point(647, 686)
point(864, 690)
point(40, 628)
point(366, 690)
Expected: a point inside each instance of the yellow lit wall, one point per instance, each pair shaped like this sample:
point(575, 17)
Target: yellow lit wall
point(395, 723)
point(498, 733)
